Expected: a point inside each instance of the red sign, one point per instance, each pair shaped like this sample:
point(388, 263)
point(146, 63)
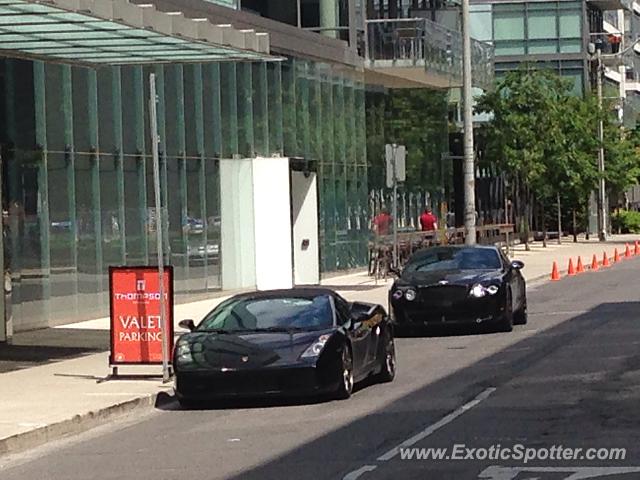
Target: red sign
point(136, 330)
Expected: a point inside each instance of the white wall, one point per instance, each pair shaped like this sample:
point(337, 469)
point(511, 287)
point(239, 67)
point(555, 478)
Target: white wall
point(272, 210)
point(304, 213)
point(237, 217)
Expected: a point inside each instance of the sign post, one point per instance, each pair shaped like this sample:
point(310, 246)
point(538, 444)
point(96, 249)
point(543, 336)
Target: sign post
point(396, 172)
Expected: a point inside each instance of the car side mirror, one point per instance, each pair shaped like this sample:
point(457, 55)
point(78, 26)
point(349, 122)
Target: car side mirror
point(517, 265)
point(394, 271)
point(187, 325)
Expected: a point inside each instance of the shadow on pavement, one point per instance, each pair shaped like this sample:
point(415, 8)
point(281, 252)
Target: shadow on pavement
point(363, 440)
point(39, 347)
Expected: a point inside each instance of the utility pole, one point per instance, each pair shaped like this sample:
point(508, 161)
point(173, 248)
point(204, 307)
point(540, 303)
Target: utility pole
point(602, 208)
point(469, 164)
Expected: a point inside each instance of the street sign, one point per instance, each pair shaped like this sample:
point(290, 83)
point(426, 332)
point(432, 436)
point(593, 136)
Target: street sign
point(397, 154)
point(136, 323)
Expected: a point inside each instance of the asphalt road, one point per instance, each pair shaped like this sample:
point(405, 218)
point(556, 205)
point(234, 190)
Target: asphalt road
point(569, 378)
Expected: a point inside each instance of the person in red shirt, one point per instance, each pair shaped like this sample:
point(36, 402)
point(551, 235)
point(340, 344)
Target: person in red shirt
point(382, 222)
point(428, 221)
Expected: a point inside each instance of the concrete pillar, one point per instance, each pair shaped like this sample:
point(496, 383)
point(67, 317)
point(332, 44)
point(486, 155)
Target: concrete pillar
point(329, 16)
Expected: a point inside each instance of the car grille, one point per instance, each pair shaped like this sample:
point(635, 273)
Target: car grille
point(442, 293)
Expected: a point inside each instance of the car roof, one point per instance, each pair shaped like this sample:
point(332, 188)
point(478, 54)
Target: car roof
point(297, 292)
point(444, 248)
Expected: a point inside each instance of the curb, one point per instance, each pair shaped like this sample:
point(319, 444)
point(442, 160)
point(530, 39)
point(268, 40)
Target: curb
point(81, 423)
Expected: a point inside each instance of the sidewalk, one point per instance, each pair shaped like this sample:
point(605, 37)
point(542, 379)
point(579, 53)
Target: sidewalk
point(46, 402)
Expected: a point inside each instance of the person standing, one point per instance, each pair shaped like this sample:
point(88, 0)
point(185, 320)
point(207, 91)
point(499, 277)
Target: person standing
point(382, 222)
point(428, 221)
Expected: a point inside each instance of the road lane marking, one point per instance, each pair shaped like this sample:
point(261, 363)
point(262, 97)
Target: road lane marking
point(576, 473)
point(437, 426)
point(358, 473)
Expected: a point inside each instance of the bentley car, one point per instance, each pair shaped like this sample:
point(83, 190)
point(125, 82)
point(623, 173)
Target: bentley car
point(459, 284)
point(296, 342)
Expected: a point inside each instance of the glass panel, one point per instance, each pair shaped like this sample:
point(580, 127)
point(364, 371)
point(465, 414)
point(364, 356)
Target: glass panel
point(212, 178)
point(542, 24)
point(543, 47)
point(509, 48)
point(61, 178)
point(570, 46)
point(570, 24)
point(508, 26)
point(481, 26)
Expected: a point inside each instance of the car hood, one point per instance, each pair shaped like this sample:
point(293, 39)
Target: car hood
point(456, 277)
point(248, 350)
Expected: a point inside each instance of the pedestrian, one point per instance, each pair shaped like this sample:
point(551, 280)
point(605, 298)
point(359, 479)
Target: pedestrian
point(428, 221)
point(382, 222)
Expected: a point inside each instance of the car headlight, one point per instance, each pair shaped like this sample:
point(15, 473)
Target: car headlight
point(315, 349)
point(492, 289)
point(183, 353)
point(410, 295)
point(479, 291)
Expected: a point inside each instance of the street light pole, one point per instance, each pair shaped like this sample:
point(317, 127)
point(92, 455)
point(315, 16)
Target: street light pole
point(602, 222)
point(469, 166)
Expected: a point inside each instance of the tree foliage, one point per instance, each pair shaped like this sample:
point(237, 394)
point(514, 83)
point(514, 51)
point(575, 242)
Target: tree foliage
point(546, 140)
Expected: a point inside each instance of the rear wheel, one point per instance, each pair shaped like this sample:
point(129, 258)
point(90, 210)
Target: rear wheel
point(388, 361)
point(345, 386)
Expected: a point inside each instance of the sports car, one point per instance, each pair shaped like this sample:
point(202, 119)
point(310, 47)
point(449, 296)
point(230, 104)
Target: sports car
point(457, 285)
point(302, 341)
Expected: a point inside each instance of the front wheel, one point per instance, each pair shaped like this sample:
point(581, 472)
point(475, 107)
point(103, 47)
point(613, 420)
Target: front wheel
point(388, 362)
point(506, 323)
point(520, 317)
point(345, 386)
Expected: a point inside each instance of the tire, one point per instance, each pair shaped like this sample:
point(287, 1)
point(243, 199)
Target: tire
point(520, 317)
point(345, 386)
point(506, 323)
point(388, 361)
point(188, 404)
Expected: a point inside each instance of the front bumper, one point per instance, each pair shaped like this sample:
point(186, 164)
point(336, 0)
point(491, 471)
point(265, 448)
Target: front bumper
point(462, 312)
point(297, 380)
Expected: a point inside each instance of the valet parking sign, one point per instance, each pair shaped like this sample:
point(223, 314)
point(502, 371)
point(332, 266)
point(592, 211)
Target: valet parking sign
point(136, 329)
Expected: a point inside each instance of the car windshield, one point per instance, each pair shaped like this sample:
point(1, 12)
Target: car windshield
point(270, 314)
point(454, 259)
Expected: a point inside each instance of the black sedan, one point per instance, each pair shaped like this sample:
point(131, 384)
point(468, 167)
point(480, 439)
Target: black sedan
point(457, 285)
point(297, 342)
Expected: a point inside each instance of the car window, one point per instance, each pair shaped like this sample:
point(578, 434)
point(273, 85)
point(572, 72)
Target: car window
point(270, 313)
point(343, 310)
point(455, 259)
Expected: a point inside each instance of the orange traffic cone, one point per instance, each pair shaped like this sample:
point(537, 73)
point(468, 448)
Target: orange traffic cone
point(580, 267)
point(636, 250)
point(554, 272)
point(571, 270)
point(605, 260)
point(627, 251)
point(616, 256)
point(594, 263)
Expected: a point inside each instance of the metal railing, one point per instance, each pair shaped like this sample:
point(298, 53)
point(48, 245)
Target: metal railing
point(419, 40)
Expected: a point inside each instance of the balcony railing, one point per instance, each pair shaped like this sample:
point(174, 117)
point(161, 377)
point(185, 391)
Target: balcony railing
point(422, 42)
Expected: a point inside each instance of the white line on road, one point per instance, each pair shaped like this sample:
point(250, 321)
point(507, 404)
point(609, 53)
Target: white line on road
point(437, 426)
point(358, 473)
point(421, 435)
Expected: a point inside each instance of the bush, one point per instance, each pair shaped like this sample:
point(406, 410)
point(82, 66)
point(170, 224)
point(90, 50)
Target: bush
point(626, 221)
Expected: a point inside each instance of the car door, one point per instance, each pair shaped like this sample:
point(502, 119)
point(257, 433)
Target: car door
point(359, 333)
point(516, 281)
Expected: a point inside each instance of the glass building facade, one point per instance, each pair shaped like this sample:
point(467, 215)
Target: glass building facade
point(78, 181)
point(547, 33)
